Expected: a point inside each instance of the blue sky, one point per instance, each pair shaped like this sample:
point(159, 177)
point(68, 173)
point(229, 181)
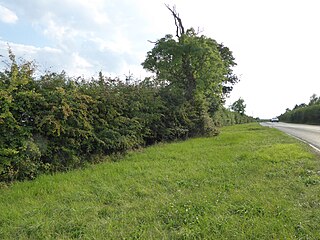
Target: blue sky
point(275, 42)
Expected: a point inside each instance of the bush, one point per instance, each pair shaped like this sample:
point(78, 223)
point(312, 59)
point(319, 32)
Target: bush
point(225, 117)
point(307, 114)
point(56, 123)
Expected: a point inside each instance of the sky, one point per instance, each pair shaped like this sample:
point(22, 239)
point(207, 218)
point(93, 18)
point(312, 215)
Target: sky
point(275, 42)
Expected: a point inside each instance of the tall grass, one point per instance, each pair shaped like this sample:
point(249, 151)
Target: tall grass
point(249, 182)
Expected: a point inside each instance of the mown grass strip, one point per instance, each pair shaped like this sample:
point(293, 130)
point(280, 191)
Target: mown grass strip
point(250, 182)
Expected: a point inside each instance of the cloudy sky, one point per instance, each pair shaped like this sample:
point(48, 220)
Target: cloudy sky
point(275, 42)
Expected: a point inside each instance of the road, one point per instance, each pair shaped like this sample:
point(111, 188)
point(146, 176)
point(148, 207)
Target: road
point(306, 133)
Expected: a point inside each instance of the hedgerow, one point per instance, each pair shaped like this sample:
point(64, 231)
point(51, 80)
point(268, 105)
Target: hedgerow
point(304, 113)
point(54, 122)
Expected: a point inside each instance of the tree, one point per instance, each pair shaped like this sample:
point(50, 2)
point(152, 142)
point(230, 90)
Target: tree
point(197, 64)
point(196, 68)
point(314, 100)
point(239, 106)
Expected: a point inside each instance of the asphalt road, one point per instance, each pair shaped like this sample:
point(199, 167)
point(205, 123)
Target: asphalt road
point(307, 133)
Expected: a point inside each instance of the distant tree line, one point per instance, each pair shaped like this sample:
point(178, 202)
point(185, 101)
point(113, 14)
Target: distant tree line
point(55, 123)
point(227, 117)
point(304, 113)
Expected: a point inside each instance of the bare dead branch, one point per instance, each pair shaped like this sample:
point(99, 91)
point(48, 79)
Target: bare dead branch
point(177, 20)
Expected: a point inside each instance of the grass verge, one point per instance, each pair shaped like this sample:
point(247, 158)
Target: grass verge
point(250, 182)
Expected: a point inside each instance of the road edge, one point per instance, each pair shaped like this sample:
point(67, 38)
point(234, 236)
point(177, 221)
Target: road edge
point(304, 141)
point(300, 139)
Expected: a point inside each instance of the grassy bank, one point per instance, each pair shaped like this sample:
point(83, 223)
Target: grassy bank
point(248, 183)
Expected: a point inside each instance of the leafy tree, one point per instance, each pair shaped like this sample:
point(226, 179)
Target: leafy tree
point(195, 69)
point(239, 106)
point(314, 100)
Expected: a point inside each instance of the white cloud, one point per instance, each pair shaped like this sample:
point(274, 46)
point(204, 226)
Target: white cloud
point(7, 16)
point(96, 9)
point(105, 33)
point(22, 49)
point(78, 66)
point(44, 57)
point(117, 43)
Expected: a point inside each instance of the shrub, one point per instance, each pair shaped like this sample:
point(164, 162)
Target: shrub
point(56, 123)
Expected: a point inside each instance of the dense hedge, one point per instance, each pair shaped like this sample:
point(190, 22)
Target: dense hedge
point(55, 123)
point(225, 117)
point(309, 114)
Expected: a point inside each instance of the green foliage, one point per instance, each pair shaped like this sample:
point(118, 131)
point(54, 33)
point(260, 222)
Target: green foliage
point(314, 99)
point(57, 123)
point(225, 117)
point(239, 106)
point(196, 72)
point(303, 113)
point(17, 95)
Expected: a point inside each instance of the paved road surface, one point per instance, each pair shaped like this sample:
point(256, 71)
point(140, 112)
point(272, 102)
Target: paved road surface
point(307, 133)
